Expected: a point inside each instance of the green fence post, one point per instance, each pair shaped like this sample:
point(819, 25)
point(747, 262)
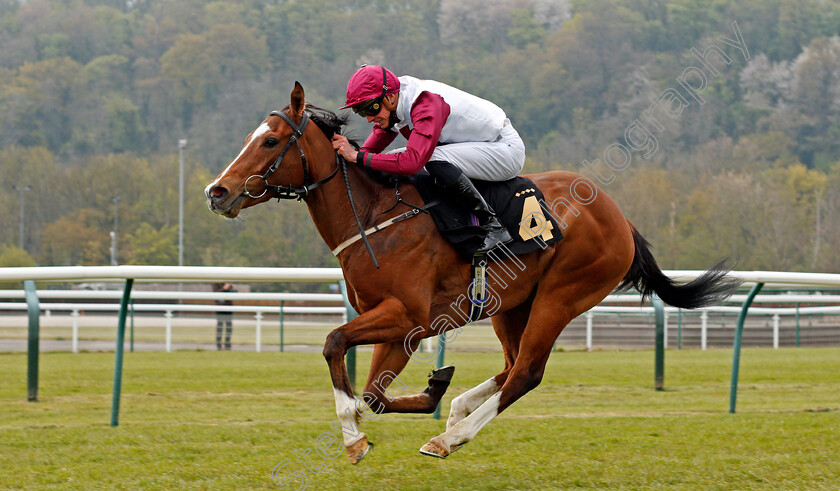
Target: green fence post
point(439, 364)
point(736, 348)
point(33, 346)
point(132, 326)
point(118, 358)
point(659, 362)
point(351, 353)
point(797, 325)
point(282, 303)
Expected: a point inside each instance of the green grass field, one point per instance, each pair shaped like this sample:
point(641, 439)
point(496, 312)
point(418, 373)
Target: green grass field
point(224, 420)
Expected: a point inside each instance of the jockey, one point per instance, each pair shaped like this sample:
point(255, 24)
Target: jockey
point(453, 134)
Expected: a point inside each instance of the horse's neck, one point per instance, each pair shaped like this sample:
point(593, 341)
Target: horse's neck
point(330, 207)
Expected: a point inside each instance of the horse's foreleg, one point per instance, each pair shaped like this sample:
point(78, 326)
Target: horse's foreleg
point(345, 403)
point(388, 361)
point(388, 322)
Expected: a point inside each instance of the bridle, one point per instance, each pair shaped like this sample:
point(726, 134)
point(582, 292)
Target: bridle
point(289, 191)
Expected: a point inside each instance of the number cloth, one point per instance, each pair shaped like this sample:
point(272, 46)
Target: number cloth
point(518, 203)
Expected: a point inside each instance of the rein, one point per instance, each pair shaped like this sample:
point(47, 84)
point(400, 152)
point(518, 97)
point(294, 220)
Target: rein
point(291, 192)
point(353, 207)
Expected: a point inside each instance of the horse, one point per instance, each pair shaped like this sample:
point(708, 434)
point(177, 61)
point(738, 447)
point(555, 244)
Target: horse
point(418, 291)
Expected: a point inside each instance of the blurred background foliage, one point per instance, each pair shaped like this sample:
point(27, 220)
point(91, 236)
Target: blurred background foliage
point(94, 96)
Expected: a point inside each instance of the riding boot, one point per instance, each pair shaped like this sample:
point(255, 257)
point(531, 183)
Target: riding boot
point(496, 233)
point(453, 180)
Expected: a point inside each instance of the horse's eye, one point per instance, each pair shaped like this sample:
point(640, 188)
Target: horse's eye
point(270, 142)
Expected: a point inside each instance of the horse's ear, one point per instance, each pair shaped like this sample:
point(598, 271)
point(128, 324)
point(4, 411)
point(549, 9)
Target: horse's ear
point(298, 100)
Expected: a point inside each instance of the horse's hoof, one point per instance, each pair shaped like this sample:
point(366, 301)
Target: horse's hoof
point(442, 374)
point(357, 451)
point(435, 448)
point(438, 383)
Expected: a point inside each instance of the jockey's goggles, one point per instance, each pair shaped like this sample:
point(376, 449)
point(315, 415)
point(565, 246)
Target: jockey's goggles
point(370, 107)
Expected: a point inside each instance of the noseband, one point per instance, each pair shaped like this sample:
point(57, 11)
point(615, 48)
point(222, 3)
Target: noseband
point(289, 191)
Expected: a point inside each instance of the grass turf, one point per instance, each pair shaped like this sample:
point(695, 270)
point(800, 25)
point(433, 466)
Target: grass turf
point(225, 420)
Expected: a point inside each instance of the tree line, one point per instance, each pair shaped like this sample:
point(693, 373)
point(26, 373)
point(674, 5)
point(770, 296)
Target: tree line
point(94, 96)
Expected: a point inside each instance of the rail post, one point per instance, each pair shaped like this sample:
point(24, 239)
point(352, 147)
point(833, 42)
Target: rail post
point(351, 353)
point(679, 329)
point(118, 358)
point(704, 326)
point(438, 364)
point(75, 330)
point(168, 316)
point(282, 303)
point(736, 348)
point(34, 340)
point(589, 316)
point(797, 325)
point(258, 345)
point(659, 359)
point(775, 331)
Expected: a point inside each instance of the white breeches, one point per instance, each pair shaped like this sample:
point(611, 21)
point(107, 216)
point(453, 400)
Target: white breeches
point(498, 160)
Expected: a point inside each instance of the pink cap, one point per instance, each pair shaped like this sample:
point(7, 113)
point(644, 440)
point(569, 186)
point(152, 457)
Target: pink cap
point(366, 84)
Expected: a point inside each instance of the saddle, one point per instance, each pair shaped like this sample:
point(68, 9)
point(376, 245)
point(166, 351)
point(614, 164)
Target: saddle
point(517, 206)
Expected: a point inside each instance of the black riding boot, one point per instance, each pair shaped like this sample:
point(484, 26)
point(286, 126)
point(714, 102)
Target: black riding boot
point(452, 179)
point(469, 196)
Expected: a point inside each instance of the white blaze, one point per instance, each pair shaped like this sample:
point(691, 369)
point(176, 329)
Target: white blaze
point(261, 130)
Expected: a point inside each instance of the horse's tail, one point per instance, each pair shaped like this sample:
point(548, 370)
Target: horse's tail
point(644, 275)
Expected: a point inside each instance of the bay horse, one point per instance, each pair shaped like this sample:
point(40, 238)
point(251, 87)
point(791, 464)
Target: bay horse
point(418, 291)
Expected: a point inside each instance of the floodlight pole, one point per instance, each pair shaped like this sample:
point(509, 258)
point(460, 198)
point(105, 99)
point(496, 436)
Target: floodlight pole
point(21, 190)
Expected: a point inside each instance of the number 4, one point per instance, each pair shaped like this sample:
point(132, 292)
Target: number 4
point(534, 223)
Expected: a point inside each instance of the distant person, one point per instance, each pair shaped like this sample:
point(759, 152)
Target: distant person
point(224, 319)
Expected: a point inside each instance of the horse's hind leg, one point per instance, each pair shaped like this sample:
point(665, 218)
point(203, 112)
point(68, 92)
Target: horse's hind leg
point(559, 299)
point(509, 326)
point(525, 374)
point(556, 303)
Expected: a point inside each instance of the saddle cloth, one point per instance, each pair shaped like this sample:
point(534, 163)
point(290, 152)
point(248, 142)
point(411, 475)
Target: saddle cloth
point(516, 203)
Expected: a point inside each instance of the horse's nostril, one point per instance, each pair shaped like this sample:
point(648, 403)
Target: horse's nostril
point(218, 193)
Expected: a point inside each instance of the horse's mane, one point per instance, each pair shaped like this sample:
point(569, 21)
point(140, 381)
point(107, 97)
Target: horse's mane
point(329, 122)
